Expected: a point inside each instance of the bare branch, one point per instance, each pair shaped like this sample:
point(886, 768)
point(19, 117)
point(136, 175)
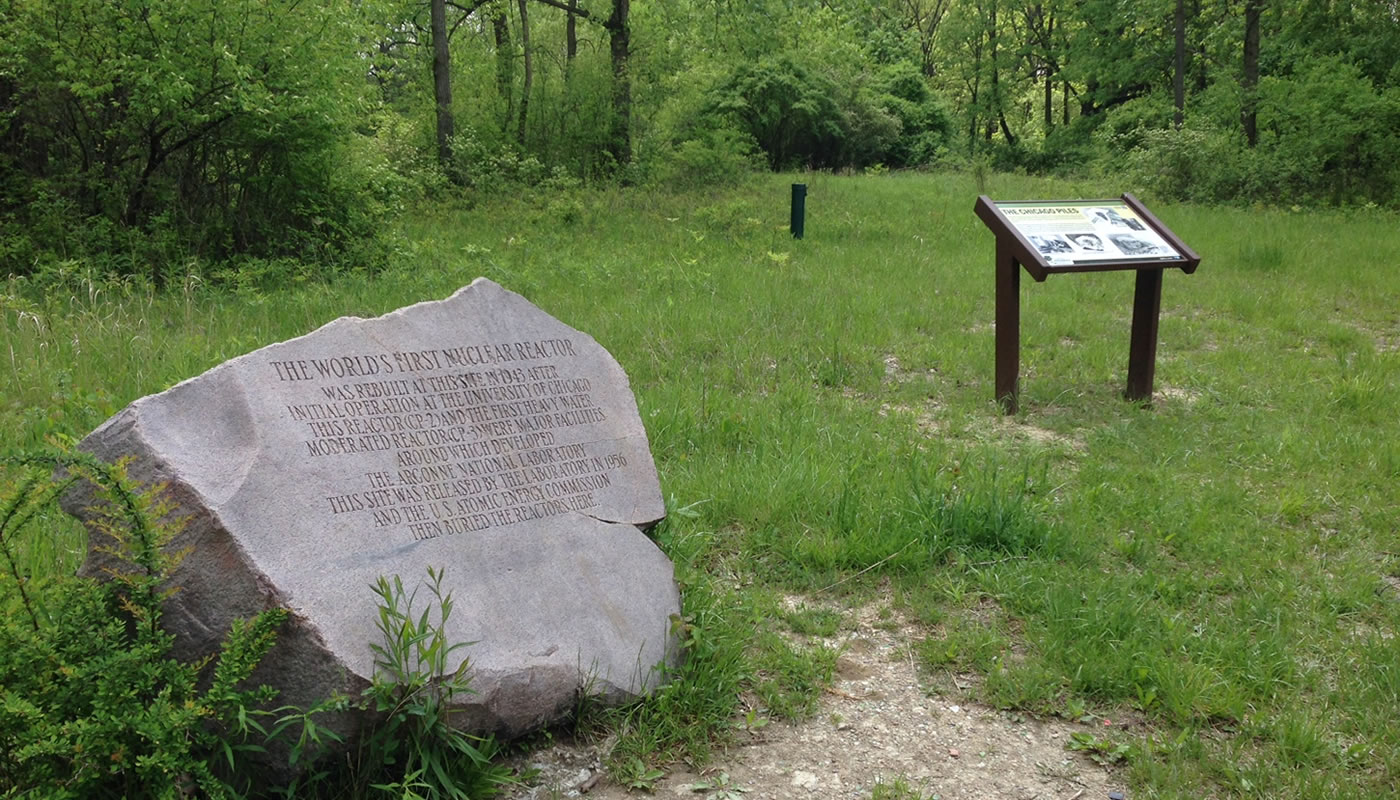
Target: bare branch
point(467, 11)
point(582, 13)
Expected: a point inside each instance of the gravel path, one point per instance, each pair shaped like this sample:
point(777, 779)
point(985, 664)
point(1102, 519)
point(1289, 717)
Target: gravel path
point(877, 723)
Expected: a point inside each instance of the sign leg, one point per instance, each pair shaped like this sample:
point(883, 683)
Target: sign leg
point(1142, 351)
point(1008, 329)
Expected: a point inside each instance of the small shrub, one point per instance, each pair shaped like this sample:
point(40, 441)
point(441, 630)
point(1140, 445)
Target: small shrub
point(713, 156)
point(493, 166)
point(414, 751)
point(93, 704)
point(1198, 162)
point(925, 123)
point(791, 111)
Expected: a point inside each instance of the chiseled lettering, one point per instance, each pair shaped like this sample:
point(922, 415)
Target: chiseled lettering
point(471, 429)
point(353, 366)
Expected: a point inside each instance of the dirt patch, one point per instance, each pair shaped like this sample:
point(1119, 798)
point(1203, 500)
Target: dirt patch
point(1177, 394)
point(880, 722)
point(896, 373)
point(1385, 337)
point(1012, 430)
point(925, 420)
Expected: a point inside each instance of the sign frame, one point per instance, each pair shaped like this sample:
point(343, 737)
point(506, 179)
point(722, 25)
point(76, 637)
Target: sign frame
point(1014, 248)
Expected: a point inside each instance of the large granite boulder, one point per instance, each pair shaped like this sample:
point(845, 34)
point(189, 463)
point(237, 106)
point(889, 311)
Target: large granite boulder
point(475, 434)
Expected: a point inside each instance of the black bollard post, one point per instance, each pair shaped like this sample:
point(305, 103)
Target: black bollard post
point(799, 209)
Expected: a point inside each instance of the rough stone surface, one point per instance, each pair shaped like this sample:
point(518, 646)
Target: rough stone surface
point(475, 434)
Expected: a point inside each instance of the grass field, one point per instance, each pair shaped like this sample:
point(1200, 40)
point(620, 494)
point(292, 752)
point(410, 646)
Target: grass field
point(1222, 567)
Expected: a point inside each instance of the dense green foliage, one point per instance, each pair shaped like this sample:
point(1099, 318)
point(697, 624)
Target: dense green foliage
point(144, 134)
point(161, 140)
point(93, 704)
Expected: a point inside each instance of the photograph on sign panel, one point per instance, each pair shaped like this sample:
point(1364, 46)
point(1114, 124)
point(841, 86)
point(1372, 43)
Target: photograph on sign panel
point(1088, 242)
point(1135, 245)
point(1051, 245)
point(1113, 219)
point(1127, 235)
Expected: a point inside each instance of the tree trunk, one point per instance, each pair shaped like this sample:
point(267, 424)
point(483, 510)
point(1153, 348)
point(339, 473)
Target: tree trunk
point(1086, 100)
point(1049, 83)
point(1179, 73)
point(619, 36)
point(570, 36)
point(505, 67)
point(996, 70)
point(975, 89)
point(1049, 102)
point(1249, 112)
point(529, 71)
point(972, 124)
point(442, 87)
point(1005, 129)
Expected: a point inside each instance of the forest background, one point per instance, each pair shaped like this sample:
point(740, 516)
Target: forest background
point(242, 139)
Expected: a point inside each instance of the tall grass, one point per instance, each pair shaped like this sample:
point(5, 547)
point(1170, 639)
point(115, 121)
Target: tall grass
point(1221, 566)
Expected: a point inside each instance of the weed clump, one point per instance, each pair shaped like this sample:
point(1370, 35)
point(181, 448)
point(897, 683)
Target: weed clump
point(973, 511)
point(93, 704)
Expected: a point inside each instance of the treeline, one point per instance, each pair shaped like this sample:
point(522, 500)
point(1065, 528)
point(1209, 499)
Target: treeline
point(160, 138)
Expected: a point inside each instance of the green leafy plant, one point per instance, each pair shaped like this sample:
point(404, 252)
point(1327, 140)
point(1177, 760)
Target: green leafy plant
point(753, 721)
point(1105, 752)
point(269, 113)
point(414, 751)
point(897, 789)
point(93, 703)
point(720, 787)
point(634, 773)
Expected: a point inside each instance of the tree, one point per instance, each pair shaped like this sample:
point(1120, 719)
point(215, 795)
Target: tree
point(923, 17)
point(1179, 63)
point(1249, 111)
point(442, 87)
point(620, 47)
point(618, 26)
point(571, 36)
point(505, 66)
point(1118, 56)
point(529, 70)
point(220, 122)
point(1040, 30)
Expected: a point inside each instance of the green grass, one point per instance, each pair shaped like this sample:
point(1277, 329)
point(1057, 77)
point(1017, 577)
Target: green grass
point(1223, 565)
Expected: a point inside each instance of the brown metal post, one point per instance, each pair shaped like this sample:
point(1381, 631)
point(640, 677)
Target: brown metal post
point(1142, 351)
point(1008, 328)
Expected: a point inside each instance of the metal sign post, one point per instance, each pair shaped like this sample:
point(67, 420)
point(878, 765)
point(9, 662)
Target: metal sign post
point(799, 209)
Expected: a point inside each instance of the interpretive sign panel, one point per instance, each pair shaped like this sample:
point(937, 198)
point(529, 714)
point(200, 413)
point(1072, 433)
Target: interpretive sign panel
point(476, 435)
point(1053, 236)
point(1078, 232)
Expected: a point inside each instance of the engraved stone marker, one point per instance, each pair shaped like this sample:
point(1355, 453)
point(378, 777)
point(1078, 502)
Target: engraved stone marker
point(476, 434)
